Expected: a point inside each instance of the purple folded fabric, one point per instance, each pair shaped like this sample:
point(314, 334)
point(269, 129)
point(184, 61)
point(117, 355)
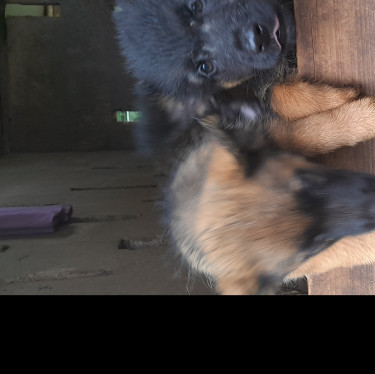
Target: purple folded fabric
point(33, 220)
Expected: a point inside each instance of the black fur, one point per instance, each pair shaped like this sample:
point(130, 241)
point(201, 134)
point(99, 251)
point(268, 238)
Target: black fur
point(167, 43)
point(340, 202)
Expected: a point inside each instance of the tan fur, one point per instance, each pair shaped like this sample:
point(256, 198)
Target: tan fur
point(171, 105)
point(248, 227)
point(317, 119)
point(211, 121)
point(299, 99)
point(348, 252)
point(229, 85)
point(177, 109)
point(245, 227)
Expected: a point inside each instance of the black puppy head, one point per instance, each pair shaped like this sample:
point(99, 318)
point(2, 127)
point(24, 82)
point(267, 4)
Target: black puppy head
point(244, 37)
point(193, 47)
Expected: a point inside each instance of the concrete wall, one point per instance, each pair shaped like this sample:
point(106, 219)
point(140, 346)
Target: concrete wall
point(66, 80)
point(2, 79)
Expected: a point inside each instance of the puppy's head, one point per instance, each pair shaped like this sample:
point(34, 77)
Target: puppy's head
point(192, 47)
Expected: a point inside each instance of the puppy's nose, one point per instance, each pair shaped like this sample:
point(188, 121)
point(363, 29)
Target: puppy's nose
point(257, 38)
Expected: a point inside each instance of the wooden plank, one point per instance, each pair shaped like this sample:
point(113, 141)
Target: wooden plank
point(358, 280)
point(336, 43)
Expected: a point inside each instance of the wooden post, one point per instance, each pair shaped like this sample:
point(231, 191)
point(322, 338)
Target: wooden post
point(336, 43)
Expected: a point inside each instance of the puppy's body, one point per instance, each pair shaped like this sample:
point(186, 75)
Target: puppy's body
point(248, 224)
point(248, 217)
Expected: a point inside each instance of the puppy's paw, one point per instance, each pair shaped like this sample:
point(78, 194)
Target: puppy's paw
point(239, 114)
point(300, 99)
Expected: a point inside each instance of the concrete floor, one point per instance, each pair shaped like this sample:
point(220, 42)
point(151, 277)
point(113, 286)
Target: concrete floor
point(113, 195)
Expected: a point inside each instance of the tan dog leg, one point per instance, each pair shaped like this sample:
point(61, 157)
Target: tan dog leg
point(348, 252)
point(299, 99)
point(324, 132)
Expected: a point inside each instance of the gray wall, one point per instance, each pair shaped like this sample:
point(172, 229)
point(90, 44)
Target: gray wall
point(66, 80)
point(2, 79)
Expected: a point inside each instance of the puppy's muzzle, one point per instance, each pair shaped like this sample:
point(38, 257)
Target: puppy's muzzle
point(258, 38)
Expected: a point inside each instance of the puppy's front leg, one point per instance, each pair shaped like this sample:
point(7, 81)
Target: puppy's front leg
point(320, 133)
point(299, 99)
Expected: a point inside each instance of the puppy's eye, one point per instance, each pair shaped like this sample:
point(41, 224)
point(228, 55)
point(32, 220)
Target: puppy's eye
point(206, 68)
point(197, 7)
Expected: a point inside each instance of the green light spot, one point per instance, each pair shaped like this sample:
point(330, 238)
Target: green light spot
point(128, 116)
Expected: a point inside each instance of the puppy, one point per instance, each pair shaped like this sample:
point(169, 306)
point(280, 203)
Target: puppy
point(183, 52)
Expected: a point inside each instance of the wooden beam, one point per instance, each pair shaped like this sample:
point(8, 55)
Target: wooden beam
point(358, 280)
point(336, 43)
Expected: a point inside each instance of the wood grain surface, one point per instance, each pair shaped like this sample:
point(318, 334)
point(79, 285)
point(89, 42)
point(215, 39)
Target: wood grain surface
point(336, 43)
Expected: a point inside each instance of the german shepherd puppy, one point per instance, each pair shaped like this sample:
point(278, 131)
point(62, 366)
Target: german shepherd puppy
point(248, 217)
point(237, 52)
